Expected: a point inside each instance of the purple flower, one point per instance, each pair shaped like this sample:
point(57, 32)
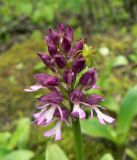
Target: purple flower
point(76, 50)
point(49, 61)
point(66, 61)
point(56, 130)
point(46, 80)
point(88, 79)
point(79, 45)
point(78, 65)
point(43, 80)
point(94, 99)
point(54, 36)
point(66, 45)
point(60, 61)
point(52, 49)
point(69, 76)
point(53, 97)
point(76, 98)
point(61, 29)
point(69, 34)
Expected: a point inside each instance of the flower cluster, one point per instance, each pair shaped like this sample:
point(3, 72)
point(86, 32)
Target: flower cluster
point(65, 100)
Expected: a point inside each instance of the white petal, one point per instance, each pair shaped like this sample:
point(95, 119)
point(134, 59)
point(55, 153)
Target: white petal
point(55, 131)
point(103, 118)
point(82, 114)
point(49, 114)
point(61, 113)
point(33, 88)
point(91, 113)
point(58, 131)
point(40, 120)
point(50, 133)
point(77, 111)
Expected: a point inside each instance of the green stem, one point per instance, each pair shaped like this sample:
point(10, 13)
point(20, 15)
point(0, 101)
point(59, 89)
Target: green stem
point(78, 139)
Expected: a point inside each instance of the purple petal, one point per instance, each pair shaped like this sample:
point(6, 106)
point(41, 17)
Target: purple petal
point(76, 96)
point(53, 97)
point(69, 76)
point(52, 49)
point(66, 45)
point(88, 79)
point(53, 35)
point(61, 28)
point(69, 35)
point(49, 61)
point(93, 99)
point(61, 111)
point(60, 61)
point(78, 65)
point(79, 45)
point(46, 80)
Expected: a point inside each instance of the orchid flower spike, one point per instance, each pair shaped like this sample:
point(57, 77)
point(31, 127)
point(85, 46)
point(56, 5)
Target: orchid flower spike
point(65, 100)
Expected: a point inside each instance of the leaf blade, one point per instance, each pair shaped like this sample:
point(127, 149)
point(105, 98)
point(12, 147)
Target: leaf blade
point(54, 152)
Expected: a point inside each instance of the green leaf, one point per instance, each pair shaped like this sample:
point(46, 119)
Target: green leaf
point(127, 112)
point(93, 128)
point(107, 156)
point(21, 134)
point(120, 61)
point(54, 152)
point(131, 154)
point(4, 137)
point(114, 105)
point(3, 152)
point(39, 66)
point(19, 155)
point(88, 53)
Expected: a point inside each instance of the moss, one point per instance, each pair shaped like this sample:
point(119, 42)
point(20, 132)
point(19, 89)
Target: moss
point(16, 72)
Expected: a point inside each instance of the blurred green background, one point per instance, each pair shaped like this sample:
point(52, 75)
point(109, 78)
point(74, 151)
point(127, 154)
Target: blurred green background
point(111, 28)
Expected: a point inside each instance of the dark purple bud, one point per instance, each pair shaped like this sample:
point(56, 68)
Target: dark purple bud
point(93, 99)
point(46, 80)
point(52, 49)
point(48, 40)
point(69, 76)
point(53, 36)
point(46, 59)
point(49, 61)
point(74, 52)
point(66, 45)
point(60, 61)
point(53, 97)
point(76, 96)
point(88, 79)
point(78, 64)
point(69, 35)
point(61, 28)
point(79, 45)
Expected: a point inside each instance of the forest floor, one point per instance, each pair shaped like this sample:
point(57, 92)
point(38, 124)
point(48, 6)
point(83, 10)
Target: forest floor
point(116, 61)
